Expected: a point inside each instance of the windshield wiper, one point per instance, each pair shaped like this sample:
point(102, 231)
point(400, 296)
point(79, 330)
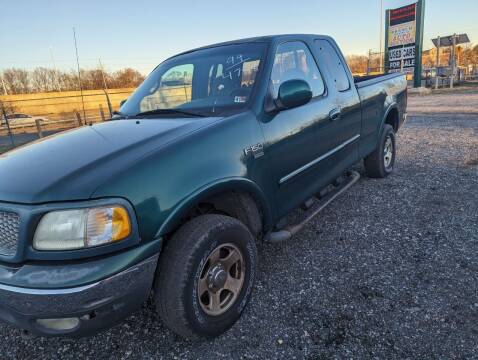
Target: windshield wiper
point(118, 115)
point(168, 111)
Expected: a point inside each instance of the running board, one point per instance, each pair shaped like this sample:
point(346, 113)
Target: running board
point(289, 231)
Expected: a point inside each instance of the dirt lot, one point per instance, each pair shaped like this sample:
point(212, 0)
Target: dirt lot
point(388, 271)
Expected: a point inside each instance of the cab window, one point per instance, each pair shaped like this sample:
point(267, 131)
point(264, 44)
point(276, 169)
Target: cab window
point(331, 60)
point(292, 61)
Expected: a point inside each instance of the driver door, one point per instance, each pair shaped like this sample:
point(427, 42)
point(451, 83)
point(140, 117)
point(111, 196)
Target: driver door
point(296, 139)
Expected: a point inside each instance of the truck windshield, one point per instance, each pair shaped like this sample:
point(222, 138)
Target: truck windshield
point(206, 82)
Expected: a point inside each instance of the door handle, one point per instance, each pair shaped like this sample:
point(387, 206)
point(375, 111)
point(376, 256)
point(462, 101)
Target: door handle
point(335, 114)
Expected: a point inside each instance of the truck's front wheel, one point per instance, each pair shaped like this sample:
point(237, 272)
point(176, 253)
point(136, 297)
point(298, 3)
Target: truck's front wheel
point(205, 276)
point(379, 164)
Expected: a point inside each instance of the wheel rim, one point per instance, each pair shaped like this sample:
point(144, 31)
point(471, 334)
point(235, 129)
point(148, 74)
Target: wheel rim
point(388, 152)
point(221, 280)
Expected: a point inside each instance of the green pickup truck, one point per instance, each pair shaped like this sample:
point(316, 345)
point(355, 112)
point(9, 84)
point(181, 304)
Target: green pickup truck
point(169, 198)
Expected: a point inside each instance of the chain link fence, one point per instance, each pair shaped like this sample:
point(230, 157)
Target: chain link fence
point(28, 117)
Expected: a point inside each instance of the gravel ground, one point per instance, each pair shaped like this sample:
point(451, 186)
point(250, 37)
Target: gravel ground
point(388, 271)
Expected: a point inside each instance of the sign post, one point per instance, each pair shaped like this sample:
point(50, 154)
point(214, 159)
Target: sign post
point(404, 40)
point(417, 78)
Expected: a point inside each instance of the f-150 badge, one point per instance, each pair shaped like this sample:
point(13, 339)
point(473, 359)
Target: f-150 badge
point(256, 150)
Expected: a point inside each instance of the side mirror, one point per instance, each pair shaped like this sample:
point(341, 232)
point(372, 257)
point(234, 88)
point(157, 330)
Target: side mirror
point(293, 93)
point(122, 102)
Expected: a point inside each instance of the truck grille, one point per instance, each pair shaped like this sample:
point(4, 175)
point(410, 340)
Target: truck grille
point(9, 228)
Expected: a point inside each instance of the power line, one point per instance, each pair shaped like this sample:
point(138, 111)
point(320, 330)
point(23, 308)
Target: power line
point(153, 59)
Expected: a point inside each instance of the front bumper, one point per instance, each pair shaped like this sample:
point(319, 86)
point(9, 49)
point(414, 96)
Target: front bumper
point(96, 306)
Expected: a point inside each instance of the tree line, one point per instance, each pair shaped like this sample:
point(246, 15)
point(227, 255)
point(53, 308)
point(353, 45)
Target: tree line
point(42, 79)
point(467, 56)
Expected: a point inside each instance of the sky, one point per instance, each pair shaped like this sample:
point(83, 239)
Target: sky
point(141, 34)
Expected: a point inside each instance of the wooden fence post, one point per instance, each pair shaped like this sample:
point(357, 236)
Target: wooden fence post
point(78, 118)
point(10, 135)
point(38, 124)
point(102, 113)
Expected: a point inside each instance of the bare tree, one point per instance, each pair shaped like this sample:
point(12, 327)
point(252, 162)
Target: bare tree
point(44, 80)
point(69, 80)
point(357, 63)
point(468, 57)
point(17, 81)
point(6, 106)
point(127, 78)
point(429, 58)
point(92, 79)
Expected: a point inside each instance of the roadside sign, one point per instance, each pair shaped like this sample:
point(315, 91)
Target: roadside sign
point(404, 39)
point(445, 41)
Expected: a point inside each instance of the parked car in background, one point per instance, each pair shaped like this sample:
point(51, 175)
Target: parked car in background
point(22, 119)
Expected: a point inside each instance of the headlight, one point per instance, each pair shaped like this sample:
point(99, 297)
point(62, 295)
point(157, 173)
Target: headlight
point(82, 228)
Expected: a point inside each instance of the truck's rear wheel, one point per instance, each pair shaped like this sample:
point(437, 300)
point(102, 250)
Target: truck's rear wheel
point(205, 276)
point(379, 164)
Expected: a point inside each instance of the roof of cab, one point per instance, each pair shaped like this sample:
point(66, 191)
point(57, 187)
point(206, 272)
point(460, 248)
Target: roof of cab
point(266, 38)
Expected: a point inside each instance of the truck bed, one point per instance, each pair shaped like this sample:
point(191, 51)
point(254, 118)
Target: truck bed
point(362, 81)
point(381, 96)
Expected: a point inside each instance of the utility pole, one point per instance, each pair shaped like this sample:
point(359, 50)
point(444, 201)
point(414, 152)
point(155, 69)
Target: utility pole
point(381, 36)
point(56, 79)
point(420, 15)
point(79, 76)
point(437, 62)
point(453, 62)
point(369, 61)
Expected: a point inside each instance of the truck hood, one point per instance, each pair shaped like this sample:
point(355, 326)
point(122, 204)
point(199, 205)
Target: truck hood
point(71, 165)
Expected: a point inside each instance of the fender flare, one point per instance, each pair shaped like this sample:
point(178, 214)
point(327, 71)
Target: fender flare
point(392, 106)
point(213, 188)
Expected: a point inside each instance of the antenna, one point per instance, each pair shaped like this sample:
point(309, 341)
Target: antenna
point(110, 107)
point(79, 75)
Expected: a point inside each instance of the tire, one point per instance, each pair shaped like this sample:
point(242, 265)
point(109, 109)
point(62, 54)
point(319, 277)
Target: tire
point(187, 265)
point(377, 164)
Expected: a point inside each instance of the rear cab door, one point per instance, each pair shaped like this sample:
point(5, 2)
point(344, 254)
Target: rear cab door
point(346, 127)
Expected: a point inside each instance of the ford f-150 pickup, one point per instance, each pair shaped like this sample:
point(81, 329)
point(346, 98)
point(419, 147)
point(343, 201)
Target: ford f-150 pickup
point(169, 198)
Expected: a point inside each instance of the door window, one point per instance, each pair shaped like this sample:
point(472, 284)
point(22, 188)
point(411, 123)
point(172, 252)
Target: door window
point(293, 60)
point(331, 60)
